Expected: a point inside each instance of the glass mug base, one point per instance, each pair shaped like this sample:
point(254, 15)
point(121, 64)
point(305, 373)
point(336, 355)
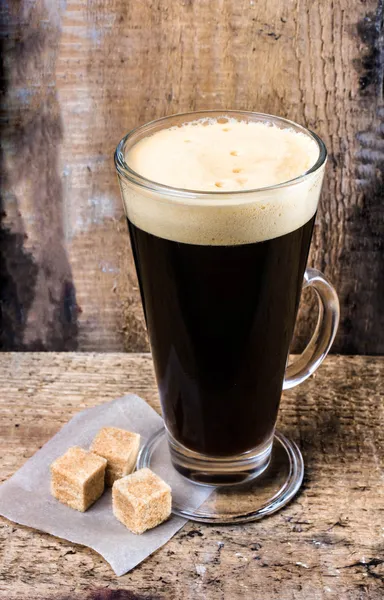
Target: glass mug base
point(219, 471)
point(274, 481)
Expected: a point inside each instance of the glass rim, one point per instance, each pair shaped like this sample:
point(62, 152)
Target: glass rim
point(132, 176)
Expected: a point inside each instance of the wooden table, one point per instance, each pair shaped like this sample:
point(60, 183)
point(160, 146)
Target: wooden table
point(327, 544)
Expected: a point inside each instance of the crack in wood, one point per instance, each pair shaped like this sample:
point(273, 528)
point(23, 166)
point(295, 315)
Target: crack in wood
point(368, 566)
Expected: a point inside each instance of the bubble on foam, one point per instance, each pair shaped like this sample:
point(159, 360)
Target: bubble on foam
point(221, 218)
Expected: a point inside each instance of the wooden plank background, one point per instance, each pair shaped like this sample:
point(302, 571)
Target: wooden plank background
point(75, 76)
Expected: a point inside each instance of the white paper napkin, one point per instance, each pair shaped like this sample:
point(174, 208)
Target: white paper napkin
point(25, 498)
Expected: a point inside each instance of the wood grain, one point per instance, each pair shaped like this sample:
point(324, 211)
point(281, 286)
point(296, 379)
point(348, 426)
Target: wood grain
point(327, 544)
point(78, 75)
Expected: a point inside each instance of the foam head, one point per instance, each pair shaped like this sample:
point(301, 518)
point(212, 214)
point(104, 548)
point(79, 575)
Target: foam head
point(214, 180)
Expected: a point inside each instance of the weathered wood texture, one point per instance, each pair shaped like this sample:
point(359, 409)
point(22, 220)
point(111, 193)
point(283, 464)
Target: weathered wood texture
point(78, 75)
point(328, 544)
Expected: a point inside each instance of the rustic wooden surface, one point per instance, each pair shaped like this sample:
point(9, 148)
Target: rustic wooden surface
point(78, 75)
point(327, 544)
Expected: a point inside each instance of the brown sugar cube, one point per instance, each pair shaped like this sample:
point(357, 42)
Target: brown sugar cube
point(77, 478)
point(120, 448)
point(141, 500)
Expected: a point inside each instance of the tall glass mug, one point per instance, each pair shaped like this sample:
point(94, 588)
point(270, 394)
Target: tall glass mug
point(220, 276)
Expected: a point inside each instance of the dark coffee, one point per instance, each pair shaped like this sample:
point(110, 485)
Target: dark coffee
point(220, 321)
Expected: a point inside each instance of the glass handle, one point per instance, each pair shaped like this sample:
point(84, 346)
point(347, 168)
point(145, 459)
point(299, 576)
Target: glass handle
point(326, 327)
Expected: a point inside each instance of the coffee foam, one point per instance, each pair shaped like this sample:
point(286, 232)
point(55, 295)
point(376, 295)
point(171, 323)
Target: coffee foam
point(267, 156)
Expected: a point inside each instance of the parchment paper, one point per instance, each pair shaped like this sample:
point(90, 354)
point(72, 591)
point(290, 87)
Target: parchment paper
point(25, 497)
